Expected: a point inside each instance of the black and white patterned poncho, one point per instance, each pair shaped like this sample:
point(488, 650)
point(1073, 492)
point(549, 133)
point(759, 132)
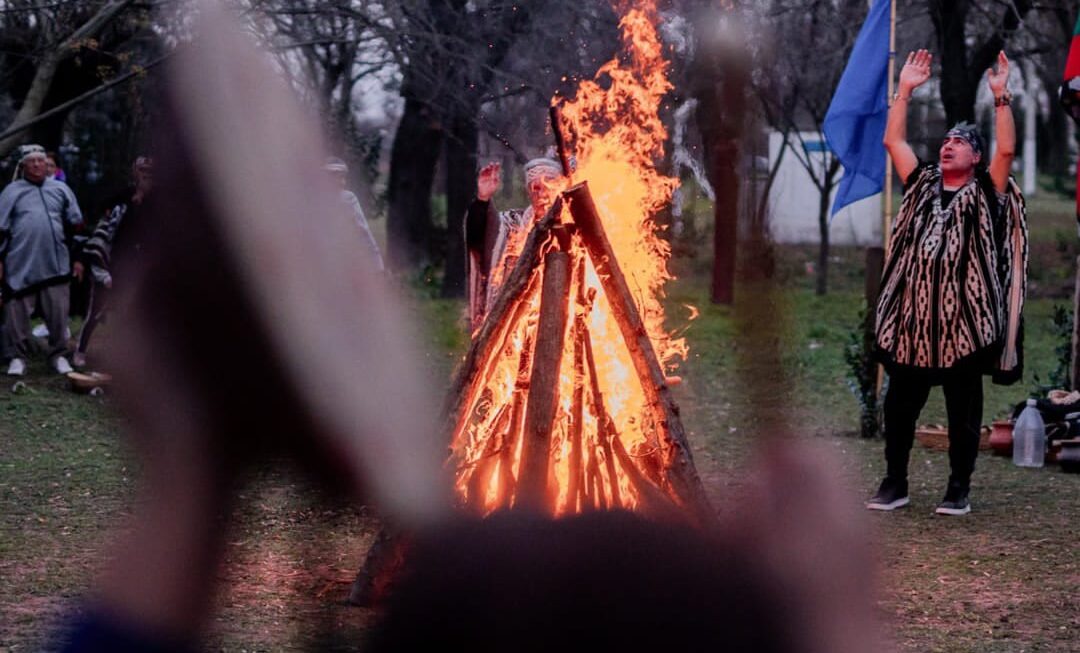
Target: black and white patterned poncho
point(952, 292)
point(494, 240)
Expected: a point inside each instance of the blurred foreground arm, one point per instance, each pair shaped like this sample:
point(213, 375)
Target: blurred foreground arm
point(246, 333)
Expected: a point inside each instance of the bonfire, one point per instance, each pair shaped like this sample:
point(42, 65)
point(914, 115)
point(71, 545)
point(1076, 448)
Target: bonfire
point(563, 402)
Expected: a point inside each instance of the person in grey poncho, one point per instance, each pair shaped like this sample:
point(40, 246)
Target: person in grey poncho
point(36, 216)
point(351, 206)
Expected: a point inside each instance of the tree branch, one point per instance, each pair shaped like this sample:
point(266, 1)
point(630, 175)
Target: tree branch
point(46, 70)
point(21, 127)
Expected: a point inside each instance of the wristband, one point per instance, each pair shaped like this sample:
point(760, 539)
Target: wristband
point(1003, 101)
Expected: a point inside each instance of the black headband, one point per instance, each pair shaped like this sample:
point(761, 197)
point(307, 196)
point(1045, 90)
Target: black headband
point(967, 132)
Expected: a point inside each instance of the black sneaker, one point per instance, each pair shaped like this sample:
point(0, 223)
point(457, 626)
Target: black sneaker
point(955, 501)
point(891, 495)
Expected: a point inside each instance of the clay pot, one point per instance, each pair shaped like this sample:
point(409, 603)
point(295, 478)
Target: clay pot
point(936, 437)
point(1001, 438)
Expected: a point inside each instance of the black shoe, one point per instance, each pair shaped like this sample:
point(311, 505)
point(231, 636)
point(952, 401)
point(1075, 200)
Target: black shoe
point(955, 501)
point(891, 495)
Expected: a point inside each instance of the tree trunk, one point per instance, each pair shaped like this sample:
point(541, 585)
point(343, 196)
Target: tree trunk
point(413, 158)
point(719, 120)
point(957, 93)
point(822, 283)
point(1053, 149)
point(963, 64)
point(722, 157)
point(719, 76)
point(461, 144)
point(827, 185)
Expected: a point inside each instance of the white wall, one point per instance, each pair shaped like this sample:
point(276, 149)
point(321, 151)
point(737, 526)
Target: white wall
point(793, 200)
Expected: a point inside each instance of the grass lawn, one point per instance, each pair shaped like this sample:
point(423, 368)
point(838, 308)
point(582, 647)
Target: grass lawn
point(1003, 579)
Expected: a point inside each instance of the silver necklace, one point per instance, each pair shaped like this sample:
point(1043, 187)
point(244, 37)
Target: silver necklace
point(940, 217)
point(942, 214)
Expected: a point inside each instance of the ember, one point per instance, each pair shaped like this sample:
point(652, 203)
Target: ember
point(562, 403)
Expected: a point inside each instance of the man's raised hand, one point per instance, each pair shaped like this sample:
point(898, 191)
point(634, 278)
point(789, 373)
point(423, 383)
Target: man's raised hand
point(916, 71)
point(488, 180)
point(999, 79)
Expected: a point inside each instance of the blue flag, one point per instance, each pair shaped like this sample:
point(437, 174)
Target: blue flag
point(855, 123)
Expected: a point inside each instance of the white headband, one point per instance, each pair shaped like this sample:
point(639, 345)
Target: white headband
point(542, 167)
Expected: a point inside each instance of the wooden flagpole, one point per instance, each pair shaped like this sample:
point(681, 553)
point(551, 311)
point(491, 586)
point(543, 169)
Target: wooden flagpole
point(888, 159)
point(887, 218)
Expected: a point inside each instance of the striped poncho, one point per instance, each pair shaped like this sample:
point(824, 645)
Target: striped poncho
point(493, 242)
point(953, 288)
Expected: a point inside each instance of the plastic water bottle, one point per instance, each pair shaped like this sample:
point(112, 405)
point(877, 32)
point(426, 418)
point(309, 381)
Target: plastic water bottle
point(1029, 437)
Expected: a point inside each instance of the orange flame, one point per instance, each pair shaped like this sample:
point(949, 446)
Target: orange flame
point(619, 137)
point(605, 441)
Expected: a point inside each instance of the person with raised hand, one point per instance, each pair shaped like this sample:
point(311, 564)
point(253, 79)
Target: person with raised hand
point(952, 293)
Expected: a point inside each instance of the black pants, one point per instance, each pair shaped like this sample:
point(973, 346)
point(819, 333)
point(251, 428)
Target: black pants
point(963, 402)
point(95, 313)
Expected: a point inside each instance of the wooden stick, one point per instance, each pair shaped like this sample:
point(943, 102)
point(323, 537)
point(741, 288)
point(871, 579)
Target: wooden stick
point(678, 460)
point(506, 334)
point(532, 486)
point(507, 482)
point(463, 389)
point(602, 421)
point(382, 566)
point(560, 141)
point(485, 464)
point(588, 501)
point(653, 500)
point(599, 497)
point(577, 403)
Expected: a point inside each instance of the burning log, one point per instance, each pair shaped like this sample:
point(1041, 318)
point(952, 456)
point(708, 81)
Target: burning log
point(485, 465)
point(504, 494)
point(651, 498)
point(577, 403)
point(604, 433)
point(560, 141)
point(525, 331)
point(678, 461)
point(532, 486)
point(599, 497)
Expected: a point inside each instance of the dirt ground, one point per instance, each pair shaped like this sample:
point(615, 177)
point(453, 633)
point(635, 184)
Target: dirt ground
point(1001, 580)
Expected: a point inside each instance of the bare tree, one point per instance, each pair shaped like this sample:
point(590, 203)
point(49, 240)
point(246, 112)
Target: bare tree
point(327, 48)
point(52, 34)
point(1044, 39)
point(796, 92)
